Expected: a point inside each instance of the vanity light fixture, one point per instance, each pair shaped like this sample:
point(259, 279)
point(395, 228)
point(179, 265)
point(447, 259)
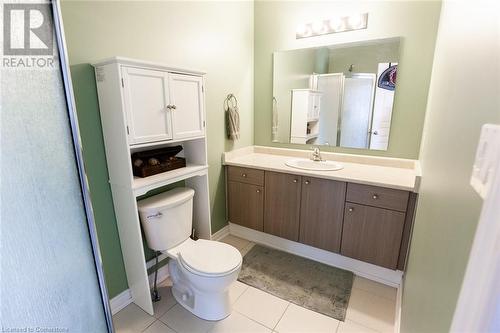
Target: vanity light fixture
point(332, 25)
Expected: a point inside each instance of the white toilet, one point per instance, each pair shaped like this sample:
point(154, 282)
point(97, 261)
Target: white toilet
point(202, 270)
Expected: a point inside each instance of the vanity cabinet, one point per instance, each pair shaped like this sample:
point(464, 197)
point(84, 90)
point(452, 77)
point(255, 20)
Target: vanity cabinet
point(162, 106)
point(321, 213)
point(374, 220)
point(367, 223)
point(246, 190)
point(372, 234)
point(282, 205)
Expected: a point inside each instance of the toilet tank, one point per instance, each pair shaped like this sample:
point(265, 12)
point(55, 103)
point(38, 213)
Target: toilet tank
point(167, 218)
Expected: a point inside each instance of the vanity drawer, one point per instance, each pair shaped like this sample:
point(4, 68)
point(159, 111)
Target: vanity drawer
point(245, 175)
point(377, 196)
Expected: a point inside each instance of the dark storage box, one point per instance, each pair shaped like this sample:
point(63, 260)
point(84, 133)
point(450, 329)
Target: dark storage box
point(152, 162)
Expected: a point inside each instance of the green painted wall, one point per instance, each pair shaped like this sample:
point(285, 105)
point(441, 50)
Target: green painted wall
point(89, 122)
point(213, 36)
point(415, 21)
point(364, 58)
point(448, 208)
point(293, 70)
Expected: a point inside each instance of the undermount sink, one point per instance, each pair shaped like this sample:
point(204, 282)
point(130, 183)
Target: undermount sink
point(307, 164)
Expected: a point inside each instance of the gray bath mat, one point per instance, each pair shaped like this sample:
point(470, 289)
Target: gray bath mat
point(302, 281)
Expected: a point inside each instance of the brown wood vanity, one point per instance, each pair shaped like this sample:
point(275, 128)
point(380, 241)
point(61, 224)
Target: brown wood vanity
point(369, 223)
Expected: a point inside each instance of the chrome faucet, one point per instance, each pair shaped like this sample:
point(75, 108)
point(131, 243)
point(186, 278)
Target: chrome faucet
point(316, 155)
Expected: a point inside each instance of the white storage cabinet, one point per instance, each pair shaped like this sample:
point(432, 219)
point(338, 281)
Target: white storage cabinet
point(143, 106)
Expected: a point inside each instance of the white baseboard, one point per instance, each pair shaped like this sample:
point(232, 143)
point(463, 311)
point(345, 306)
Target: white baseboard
point(120, 301)
point(125, 297)
point(376, 273)
point(221, 233)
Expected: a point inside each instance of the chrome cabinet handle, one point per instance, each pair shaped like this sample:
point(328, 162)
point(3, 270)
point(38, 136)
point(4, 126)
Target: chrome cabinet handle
point(375, 196)
point(307, 182)
point(351, 209)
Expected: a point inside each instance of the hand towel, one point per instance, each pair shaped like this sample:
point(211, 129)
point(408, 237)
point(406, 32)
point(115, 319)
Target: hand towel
point(233, 122)
point(274, 130)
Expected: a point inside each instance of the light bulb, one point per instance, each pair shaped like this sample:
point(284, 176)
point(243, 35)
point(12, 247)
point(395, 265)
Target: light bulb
point(301, 30)
point(318, 27)
point(335, 24)
point(355, 21)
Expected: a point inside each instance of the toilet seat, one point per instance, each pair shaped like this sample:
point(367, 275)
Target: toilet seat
point(207, 258)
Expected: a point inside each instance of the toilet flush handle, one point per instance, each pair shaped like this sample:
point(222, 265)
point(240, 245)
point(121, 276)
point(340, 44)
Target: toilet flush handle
point(154, 216)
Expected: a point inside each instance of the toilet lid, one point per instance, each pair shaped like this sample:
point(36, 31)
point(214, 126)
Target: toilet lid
point(210, 257)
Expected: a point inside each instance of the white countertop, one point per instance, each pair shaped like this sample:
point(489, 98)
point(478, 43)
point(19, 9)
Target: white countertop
point(402, 174)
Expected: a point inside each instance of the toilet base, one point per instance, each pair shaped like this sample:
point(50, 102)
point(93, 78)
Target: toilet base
point(206, 305)
point(211, 307)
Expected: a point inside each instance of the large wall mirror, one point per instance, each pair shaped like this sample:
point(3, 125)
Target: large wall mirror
point(337, 95)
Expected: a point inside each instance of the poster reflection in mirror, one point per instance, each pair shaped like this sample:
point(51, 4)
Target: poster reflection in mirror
point(338, 95)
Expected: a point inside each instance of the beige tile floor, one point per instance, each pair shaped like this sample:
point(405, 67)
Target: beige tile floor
point(371, 309)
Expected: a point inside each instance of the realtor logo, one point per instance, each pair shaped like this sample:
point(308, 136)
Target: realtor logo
point(27, 29)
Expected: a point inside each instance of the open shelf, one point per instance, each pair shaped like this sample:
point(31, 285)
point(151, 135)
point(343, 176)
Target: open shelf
point(141, 186)
point(312, 136)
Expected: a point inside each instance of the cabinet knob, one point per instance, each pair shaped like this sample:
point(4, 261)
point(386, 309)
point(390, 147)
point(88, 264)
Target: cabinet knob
point(375, 196)
point(307, 182)
point(244, 175)
point(258, 191)
point(174, 107)
point(351, 209)
point(169, 107)
point(295, 180)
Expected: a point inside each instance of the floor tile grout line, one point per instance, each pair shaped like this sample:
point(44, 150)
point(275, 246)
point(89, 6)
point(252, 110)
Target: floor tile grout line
point(255, 321)
point(168, 326)
point(237, 298)
point(154, 321)
point(281, 317)
point(166, 310)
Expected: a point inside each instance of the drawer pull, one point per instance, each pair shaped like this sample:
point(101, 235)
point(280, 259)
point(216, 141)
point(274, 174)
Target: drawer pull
point(307, 182)
point(375, 196)
point(244, 175)
point(258, 191)
point(295, 180)
point(351, 209)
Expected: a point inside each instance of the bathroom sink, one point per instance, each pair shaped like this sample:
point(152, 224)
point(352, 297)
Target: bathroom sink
point(307, 164)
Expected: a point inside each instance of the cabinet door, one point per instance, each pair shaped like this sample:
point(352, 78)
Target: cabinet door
point(186, 97)
point(282, 205)
point(246, 205)
point(146, 100)
point(321, 213)
point(372, 234)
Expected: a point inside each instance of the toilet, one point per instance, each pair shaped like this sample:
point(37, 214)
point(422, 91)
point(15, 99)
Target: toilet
point(201, 270)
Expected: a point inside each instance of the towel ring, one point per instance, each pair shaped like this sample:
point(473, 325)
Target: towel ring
point(230, 101)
